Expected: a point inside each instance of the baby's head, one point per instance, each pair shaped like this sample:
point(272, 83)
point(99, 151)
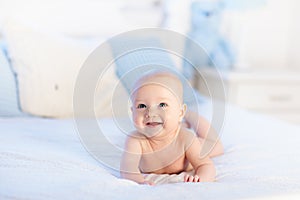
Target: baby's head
point(157, 103)
point(165, 79)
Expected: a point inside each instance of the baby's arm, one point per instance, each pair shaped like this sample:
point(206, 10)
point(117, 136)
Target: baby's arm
point(129, 168)
point(205, 132)
point(204, 167)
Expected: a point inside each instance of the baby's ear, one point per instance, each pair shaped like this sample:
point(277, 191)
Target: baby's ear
point(183, 111)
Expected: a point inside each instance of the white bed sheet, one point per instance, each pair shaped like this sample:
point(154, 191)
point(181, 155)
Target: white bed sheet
point(44, 159)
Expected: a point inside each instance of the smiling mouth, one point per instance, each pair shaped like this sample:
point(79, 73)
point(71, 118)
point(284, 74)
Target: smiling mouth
point(153, 124)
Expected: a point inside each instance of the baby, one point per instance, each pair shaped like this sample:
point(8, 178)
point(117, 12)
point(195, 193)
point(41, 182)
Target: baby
point(162, 144)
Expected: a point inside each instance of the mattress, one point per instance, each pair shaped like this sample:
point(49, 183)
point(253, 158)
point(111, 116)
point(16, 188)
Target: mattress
point(45, 159)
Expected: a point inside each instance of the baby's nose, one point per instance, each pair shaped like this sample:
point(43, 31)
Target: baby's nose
point(152, 111)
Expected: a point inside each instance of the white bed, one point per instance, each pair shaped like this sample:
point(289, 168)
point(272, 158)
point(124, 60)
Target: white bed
point(44, 159)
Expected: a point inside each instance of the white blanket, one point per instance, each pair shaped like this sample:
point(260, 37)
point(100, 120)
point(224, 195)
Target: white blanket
point(44, 159)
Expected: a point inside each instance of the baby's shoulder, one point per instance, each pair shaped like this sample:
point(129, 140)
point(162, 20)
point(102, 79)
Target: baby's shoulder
point(185, 132)
point(186, 135)
point(137, 138)
point(133, 142)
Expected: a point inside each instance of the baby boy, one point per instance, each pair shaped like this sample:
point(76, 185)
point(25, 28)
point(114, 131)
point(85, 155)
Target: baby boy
point(162, 144)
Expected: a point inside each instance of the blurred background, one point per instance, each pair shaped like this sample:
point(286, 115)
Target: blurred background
point(256, 43)
point(263, 33)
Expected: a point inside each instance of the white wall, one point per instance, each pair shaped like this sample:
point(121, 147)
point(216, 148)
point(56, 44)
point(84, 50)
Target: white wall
point(294, 47)
point(266, 37)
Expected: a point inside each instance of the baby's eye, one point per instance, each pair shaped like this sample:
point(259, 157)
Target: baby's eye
point(163, 105)
point(140, 106)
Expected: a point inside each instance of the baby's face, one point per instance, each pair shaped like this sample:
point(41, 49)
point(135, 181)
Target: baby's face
point(156, 109)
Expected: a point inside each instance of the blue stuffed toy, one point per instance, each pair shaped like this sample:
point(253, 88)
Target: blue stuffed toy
point(205, 25)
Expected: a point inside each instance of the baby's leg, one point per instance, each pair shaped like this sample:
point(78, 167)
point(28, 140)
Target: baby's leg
point(213, 148)
point(206, 134)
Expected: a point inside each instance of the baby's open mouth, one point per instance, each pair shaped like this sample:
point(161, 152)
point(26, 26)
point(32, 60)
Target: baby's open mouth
point(153, 124)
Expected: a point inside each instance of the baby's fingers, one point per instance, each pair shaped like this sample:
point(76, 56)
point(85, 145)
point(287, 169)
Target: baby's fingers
point(186, 177)
point(196, 178)
point(190, 178)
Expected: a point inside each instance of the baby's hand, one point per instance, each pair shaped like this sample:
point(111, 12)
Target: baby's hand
point(191, 178)
point(148, 183)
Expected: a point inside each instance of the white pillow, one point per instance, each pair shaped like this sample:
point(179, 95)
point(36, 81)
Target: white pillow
point(86, 18)
point(47, 65)
point(9, 104)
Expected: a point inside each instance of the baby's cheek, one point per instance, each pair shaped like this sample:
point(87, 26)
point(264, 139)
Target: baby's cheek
point(137, 120)
point(173, 120)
